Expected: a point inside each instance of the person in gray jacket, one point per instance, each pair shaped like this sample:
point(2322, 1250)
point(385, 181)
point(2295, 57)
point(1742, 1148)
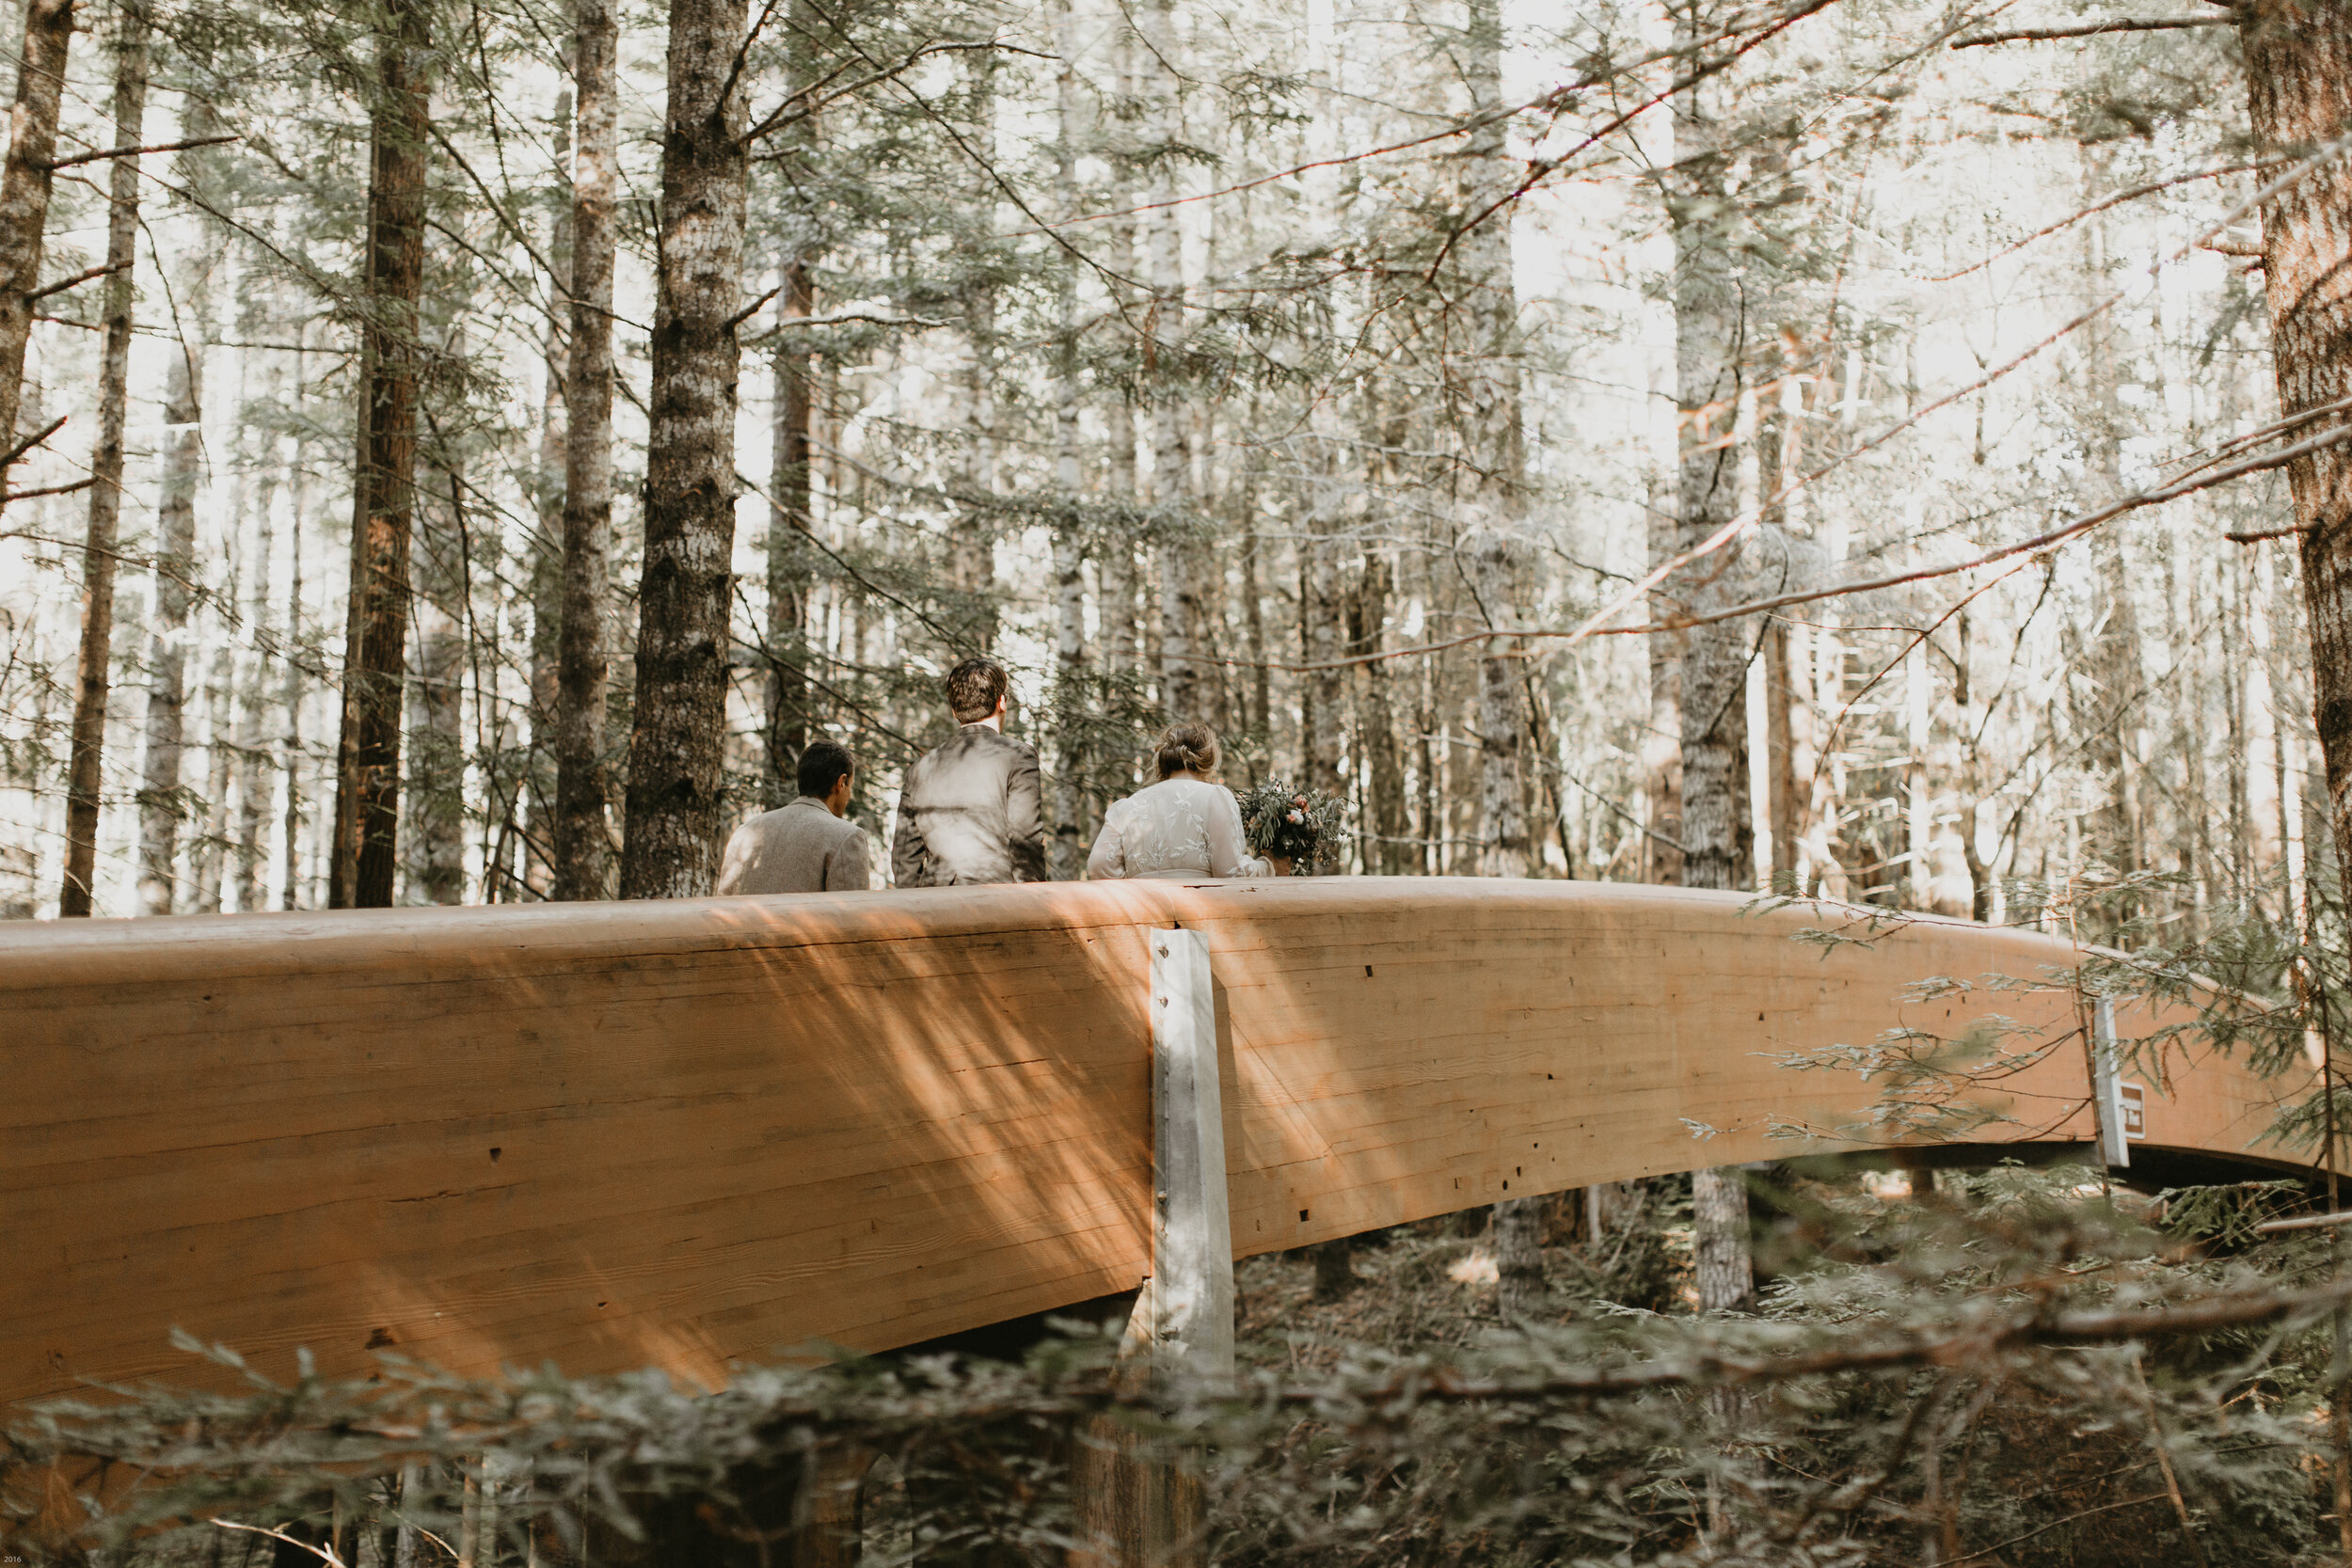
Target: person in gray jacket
point(807, 846)
point(970, 811)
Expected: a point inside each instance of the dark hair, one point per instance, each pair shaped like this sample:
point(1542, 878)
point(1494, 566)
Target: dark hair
point(824, 764)
point(1186, 746)
point(975, 686)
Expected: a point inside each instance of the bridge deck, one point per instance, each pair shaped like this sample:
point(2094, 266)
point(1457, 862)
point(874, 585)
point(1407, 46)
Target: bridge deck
point(685, 1133)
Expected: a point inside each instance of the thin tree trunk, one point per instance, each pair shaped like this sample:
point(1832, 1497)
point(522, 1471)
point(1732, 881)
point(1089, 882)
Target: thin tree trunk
point(537, 784)
point(161, 802)
point(291, 896)
point(1375, 725)
point(1503, 723)
point(24, 184)
point(583, 841)
point(1322, 611)
point(1121, 637)
point(83, 778)
point(253, 787)
point(437, 758)
point(2112, 665)
point(207, 855)
point(1070, 706)
point(364, 858)
point(671, 844)
point(1661, 742)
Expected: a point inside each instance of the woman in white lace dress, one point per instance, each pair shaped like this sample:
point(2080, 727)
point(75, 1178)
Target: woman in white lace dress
point(1186, 825)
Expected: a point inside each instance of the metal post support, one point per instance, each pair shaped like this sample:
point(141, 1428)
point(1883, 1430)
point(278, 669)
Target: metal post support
point(1192, 1238)
point(1137, 1508)
point(2107, 1089)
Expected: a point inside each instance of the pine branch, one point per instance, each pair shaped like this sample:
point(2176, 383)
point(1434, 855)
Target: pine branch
point(1961, 1348)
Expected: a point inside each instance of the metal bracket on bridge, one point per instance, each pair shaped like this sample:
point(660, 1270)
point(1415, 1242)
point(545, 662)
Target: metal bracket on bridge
point(1190, 1311)
point(2106, 1089)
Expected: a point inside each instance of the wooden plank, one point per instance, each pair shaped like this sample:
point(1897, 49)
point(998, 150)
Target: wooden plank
point(688, 1133)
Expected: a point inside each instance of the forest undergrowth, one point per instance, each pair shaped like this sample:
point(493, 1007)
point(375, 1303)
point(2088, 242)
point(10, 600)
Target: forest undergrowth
point(2015, 1366)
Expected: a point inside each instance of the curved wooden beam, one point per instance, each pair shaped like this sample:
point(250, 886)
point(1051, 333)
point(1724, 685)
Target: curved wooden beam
point(685, 1134)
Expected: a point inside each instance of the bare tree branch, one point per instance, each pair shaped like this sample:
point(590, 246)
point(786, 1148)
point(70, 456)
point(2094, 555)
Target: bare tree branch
point(2096, 29)
point(139, 152)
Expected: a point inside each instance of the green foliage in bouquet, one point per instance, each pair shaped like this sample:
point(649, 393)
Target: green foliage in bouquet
point(1296, 825)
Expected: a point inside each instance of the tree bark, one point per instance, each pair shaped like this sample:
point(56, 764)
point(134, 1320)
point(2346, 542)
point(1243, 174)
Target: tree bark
point(670, 842)
point(536, 806)
point(583, 846)
point(2298, 66)
point(24, 184)
point(2111, 665)
point(364, 857)
point(436, 749)
point(82, 777)
point(1322, 624)
point(789, 523)
point(253, 785)
point(1519, 1257)
point(291, 895)
point(1717, 835)
point(161, 801)
point(1383, 815)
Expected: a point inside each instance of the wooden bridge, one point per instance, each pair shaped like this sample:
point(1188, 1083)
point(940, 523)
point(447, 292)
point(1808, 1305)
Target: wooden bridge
point(687, 1135)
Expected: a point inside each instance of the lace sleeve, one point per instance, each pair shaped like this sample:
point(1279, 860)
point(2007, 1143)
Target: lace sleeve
point(1108, 859)
point(1228, 849)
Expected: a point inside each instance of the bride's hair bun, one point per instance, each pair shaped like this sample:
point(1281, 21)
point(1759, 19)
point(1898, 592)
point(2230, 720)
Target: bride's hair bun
point(1187, 746)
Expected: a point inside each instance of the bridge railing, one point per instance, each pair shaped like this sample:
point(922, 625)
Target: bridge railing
point(685, 1134)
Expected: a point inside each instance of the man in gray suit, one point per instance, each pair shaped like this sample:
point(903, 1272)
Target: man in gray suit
point(970, 811)
point(807, 846)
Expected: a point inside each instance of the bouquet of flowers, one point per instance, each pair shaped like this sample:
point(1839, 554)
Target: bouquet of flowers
point(1290, 824)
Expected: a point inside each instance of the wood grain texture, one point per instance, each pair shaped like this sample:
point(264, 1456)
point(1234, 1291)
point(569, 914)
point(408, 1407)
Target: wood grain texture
point(692, 1133)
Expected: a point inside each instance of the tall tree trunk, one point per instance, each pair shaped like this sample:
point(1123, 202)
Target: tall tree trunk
point(583, 846)
point(2112, 662)
point(364, 858)
point(1485, 385)
point(671, 842)
point(162, 803)
point(789, 522)
point(83, 778)
point(25, 184)
point(1181, 627)
point(1718, 849)
point(1072, 709)
point(1482, 382)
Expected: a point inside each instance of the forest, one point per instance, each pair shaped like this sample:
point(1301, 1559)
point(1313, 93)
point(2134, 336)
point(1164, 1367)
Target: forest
point(1400, 393)
point(1894, 455)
